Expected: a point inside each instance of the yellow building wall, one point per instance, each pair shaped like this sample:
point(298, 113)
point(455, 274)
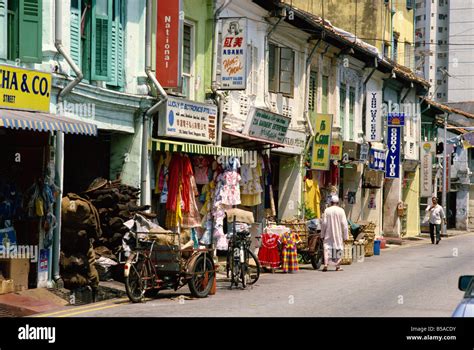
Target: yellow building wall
point(369, 20)
point(411, 196)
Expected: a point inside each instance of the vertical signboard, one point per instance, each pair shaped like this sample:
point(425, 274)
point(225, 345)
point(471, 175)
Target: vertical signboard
point(373, 116)
point(168, 43)
point(427, 150)
point(233, 54)
point(392, 163)
point(322, 142)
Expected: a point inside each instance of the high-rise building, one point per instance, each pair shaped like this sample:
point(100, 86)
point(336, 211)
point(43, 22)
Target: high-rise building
point(444, 51)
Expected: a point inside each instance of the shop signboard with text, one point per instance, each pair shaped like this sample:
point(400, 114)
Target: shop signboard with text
point(427, 151)
point(168, 43)
point(392, 163)
point(377, 159)
point(295, 142)
point(336, 149)
point(373, 116)
point(322, 142)
point(267, 125)
point(396, 119)
point(234, 54)
point(188, 120)
point(24, 89)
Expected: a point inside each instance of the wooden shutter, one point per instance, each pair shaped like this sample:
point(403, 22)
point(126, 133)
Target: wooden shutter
point(313, 86)
point(287, 71)
point(75, 33)
point(3, 29)
point(101, 43)
point(30, 38)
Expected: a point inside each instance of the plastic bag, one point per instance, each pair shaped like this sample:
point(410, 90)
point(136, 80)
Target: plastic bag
point(39, 206)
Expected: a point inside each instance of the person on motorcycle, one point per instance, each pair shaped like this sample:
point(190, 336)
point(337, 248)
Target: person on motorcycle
point(334, 231)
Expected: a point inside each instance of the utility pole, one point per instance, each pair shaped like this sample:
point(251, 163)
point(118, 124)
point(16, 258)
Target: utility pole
point(445, 164)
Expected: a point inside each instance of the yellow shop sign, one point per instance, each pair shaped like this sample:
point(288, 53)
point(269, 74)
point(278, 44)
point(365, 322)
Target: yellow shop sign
point(24, 89)
point(322, 142)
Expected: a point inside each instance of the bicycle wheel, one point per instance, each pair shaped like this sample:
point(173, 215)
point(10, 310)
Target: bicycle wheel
point(135, 281)
point(252, 272)
point(203, 277)
point(317, 259)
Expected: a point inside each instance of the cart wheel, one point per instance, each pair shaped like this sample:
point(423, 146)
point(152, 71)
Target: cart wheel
point(135, 281)
point(253, 270)
point(203, 277)
point(317, 259)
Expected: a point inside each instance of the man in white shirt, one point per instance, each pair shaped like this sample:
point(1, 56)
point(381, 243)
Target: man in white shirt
point(436, 213)
point(334, 231)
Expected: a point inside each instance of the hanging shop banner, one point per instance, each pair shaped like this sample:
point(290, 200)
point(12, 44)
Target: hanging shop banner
point(373, 116)
point(393, 155)
point(396, 119)
point(448, 173)
point(469, 138)
point(427, 150)
point(188, 120)
point(322, 142)
point(336, 149)
point(377, 159)
point(295, 142)
point(24, 89)
point(168, 43)
point(266, 125)
point(233, 54)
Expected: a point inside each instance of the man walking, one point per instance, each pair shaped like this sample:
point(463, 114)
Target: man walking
point(436, 213)
point(334, 231)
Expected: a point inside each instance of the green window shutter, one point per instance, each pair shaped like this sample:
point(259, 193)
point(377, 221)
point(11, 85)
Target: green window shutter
point(325, 94)
point(351, 112)
point(117, 76)
point(75, 29)
point(30, 38)
point(3, 29)
point(101, 43)
point(342, 107)
point(113, 56)
point(120, 56)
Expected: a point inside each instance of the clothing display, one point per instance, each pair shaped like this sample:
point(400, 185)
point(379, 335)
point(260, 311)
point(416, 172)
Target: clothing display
point(269, 254)
point(201, 169)
point(312, 197)
point(250, 184)
point(289, 254)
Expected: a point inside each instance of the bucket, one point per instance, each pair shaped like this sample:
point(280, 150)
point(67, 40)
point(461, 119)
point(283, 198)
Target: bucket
point(377, 247)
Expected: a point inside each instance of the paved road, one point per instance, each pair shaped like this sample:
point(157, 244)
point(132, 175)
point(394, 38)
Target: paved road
point(415, 280)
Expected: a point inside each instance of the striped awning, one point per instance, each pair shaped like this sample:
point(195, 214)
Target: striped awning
point(37, 121)
point(194, 148)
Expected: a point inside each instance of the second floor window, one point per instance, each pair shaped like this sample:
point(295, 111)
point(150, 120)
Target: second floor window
point(281, 70)
point(97, 39)
point(21, 30)
point(188, 61)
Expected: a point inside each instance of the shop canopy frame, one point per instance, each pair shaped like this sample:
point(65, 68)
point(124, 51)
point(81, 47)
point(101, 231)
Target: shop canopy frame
point(249, 142)
point(45, 122)
point(194, 148)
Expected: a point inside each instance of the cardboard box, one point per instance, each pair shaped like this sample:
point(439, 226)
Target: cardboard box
point(16, 270)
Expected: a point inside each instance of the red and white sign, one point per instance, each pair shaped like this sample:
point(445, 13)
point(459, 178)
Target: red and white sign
point(168, 43)
point(234, 54)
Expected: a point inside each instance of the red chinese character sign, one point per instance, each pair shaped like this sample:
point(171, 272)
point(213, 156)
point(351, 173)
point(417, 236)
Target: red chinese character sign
point(168, 43)
point(233, 54)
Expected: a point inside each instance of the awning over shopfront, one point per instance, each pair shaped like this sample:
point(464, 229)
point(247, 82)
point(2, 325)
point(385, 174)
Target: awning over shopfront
point(37, 121)
point(185, 147)
point(249, 141)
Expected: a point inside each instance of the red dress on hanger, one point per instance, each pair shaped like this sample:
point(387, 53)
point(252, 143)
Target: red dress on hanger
point(269, 254)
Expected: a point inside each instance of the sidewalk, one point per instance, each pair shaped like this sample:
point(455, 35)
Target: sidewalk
point(423, 237)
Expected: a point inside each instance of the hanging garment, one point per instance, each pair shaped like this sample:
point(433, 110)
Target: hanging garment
point(312, 197)
point(290, 256)
point(269, 254)
point(250, 186)
point(201, 169)
point(231, 188)
point(192, 218)
point(158, 175)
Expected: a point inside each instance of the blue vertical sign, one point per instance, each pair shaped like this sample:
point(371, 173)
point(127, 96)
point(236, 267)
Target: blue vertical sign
point(392, 164)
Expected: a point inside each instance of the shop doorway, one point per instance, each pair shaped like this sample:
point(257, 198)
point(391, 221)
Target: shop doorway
point(85, 159)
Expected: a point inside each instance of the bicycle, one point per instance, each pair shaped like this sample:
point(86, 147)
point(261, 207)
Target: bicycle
point(238, 260)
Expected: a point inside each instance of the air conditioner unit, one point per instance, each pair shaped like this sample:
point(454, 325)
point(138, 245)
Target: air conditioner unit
point(352, 149)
